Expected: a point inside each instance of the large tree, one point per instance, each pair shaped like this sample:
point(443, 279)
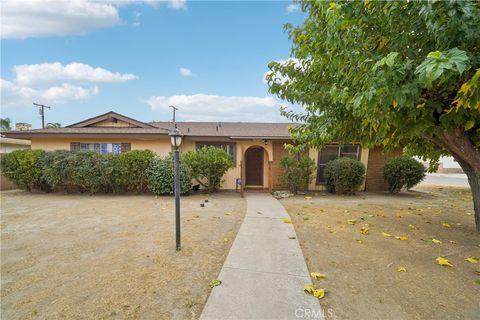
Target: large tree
point(392, 74)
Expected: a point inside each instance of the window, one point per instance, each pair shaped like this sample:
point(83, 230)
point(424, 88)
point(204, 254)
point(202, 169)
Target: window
point(332, 152)
point(102, 148)
point(229, 148)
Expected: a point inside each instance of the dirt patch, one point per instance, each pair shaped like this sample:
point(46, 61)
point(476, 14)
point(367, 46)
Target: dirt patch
point(111, 257)
point(363, 281)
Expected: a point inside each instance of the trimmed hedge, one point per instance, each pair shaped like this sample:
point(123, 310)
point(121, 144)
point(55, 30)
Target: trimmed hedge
point(77, 171)
point(403, 172)
point(161, 177)
point(344, 175)
point(23, 168)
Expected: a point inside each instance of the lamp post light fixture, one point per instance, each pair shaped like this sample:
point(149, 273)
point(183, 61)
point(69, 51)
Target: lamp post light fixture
point(176, 140)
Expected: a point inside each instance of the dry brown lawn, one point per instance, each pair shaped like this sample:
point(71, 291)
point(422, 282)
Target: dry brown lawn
point(111, 257)
point(362, 277)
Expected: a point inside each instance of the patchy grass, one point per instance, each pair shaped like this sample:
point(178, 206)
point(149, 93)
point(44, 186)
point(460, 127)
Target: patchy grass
point(370, 275)
point(111, 257)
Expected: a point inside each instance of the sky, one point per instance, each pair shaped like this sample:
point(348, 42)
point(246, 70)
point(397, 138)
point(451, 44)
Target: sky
point(84, 58)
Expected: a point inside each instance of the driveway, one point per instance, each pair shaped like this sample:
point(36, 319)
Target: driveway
point(446, 179)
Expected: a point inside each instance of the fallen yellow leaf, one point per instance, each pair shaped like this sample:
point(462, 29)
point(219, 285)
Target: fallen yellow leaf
point(287, 220)
point(453, 242)
point(351, 221)
point(403, 238)
point(319, 293)
point(446, 225)
point(309, 288)
point(386, 234)
point(317, 275)
point(225, 240)
point(215, 282)
point(411, 226)
point(359, 241)
point(443, 262)
point(402, 269)
point(436, 241)
point(308, 198)
point(472, 259)
point(364, 231)
point(228, 213)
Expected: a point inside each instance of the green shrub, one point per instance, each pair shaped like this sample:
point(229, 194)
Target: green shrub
point(344, 175)
point(296, 173)
point(84, 172)
point(207, 166)
point(54, 173)
point(161, 177)
point(128, 171)
point(403, 172)
point(22, 167)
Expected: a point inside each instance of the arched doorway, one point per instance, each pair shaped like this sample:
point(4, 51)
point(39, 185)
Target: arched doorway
point(254, 167)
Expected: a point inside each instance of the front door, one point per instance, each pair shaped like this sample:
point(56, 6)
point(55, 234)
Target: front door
point(254, 166)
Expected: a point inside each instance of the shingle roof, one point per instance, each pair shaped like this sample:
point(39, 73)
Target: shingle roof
point(230, 129)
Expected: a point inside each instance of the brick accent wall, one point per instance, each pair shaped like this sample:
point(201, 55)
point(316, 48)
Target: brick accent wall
point(278, 152)
point(376, 162)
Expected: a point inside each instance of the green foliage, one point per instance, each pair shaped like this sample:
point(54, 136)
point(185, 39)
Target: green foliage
point(362, 80)
point(161, 177)
point(207, 166)
point(296, 173)
point(403, 172)
point(84, 172)
point(22, 167)
point(128, 171)
point(5, 124)
point(54, 166)
point(51, 125)
point(344, 175)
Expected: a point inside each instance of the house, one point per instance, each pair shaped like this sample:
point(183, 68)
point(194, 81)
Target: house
point(8, 145)
point(256, 148)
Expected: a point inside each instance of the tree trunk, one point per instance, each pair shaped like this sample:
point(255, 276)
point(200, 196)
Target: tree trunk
point(458, 144)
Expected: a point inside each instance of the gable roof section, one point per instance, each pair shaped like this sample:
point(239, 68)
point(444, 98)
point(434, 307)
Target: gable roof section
point(108, 116)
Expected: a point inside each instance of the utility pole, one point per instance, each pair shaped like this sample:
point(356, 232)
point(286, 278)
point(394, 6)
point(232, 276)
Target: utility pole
point(174, 109)
point(41, 109)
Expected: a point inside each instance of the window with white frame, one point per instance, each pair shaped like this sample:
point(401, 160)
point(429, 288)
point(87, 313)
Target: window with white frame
point(103, 148)
point(229, 147)
point(334, 151)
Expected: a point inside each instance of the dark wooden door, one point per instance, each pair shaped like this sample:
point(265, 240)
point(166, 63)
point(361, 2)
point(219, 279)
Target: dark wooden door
point(254, 166)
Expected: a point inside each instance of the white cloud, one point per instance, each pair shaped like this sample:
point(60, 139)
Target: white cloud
point(177, 4)
point(205, 107)
point(46, 18)
point(28, 74)
point(293, 8)
point(55, 83)
point(185, 72)
point(17, 95)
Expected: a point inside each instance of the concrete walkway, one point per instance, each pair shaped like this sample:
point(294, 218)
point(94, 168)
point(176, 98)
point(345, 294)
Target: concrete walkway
point(265, 271)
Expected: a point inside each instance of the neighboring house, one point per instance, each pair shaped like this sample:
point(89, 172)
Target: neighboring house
point(8, 145)
point(256, 148)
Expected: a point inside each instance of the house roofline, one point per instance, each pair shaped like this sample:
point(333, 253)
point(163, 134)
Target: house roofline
point(107, 115)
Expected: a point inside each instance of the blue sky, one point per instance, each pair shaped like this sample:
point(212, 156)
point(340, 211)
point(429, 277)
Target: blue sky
point(136, 57)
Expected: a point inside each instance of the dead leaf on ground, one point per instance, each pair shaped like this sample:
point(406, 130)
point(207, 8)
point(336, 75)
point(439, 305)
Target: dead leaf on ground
point(351, 221)
point(287, 221)
point(402, 238)
point(215, 282)
point(411, 226)
point(308, 198)
point(359, 241)
point(443, 262)
point(364, 231)
point(446, 225)
point(402, 269)
point(317, 275)
point(386, 234)
point(472, 259)
point(453, 242)
point(312, 289)
point(435, 241)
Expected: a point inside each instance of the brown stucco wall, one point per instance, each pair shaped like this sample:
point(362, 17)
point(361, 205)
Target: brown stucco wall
point(376, 162)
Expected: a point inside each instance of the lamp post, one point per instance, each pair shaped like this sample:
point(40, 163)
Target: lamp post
point(176, 139)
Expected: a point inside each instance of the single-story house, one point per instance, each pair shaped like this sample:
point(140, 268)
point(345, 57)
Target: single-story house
point(256, 148)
